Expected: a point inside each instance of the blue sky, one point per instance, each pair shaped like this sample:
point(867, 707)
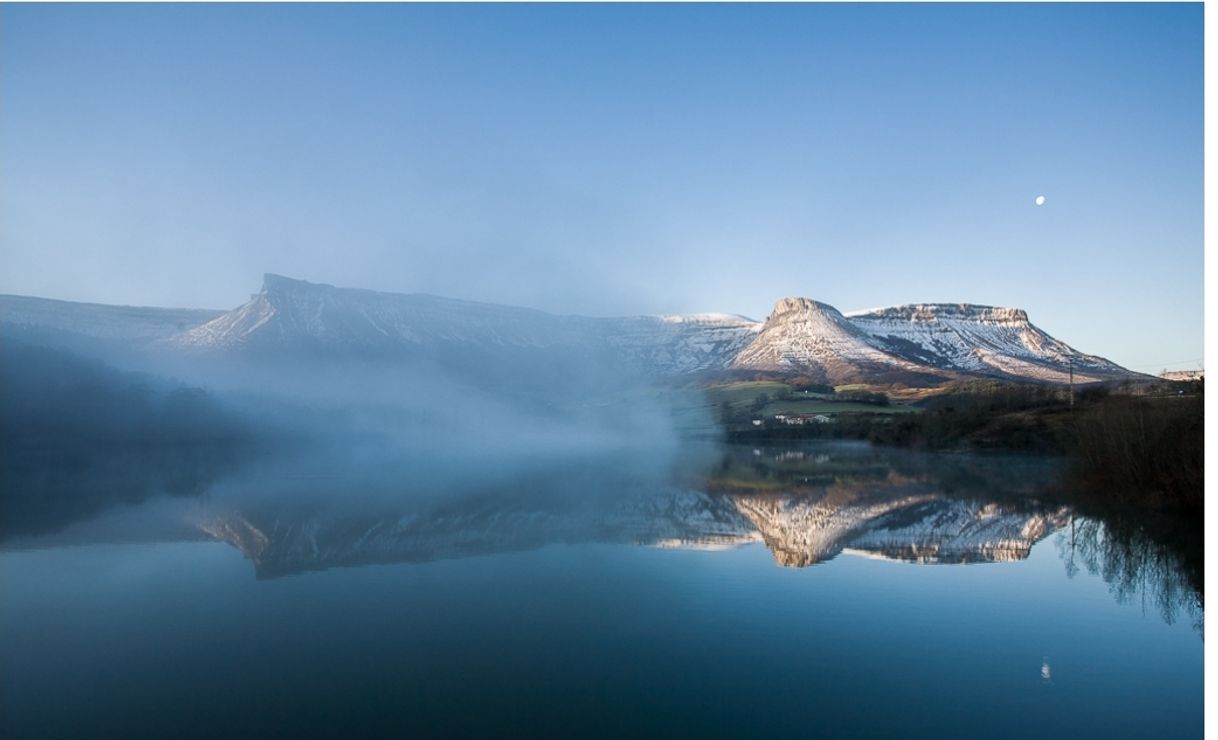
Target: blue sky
point(618, 159)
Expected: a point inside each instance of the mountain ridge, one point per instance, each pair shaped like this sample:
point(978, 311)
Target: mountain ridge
point(913, 344)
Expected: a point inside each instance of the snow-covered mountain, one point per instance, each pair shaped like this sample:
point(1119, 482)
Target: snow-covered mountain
point(924, 344)
point(815, 339)
point(980, 340)
point(678, 343)
point(289, 314)
point(915, 343)
point(294, 314)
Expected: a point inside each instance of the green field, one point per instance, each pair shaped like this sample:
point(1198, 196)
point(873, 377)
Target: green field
point(741, 396)
point(703, 410)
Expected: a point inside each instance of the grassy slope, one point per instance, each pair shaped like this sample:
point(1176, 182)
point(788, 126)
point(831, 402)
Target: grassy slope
point(741, 396)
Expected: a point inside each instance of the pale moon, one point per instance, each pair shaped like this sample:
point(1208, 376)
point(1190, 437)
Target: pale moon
point(1040, 200)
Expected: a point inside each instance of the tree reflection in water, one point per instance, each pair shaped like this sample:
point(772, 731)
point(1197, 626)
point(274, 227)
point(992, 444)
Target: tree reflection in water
point(1157, 562)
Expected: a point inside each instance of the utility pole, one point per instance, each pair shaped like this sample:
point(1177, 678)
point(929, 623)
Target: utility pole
point(1072, 385)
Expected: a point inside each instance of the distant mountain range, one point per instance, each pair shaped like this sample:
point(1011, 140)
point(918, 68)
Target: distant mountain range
point(924, 344)
point(1182, 375)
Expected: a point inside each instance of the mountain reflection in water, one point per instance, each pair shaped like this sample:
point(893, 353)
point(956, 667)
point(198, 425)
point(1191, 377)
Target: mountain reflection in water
point(807, 504)
point(806, 509)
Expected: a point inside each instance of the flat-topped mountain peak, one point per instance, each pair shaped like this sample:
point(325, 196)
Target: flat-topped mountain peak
point(926, 312)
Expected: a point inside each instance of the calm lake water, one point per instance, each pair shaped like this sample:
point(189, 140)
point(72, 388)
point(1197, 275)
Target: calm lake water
point(816, 590)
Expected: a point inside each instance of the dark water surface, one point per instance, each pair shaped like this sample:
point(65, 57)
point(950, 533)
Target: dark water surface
point(817, 590)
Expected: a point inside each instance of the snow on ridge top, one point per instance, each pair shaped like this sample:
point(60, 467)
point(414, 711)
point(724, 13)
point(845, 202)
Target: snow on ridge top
point(707, 318)
point(928, 312)
point(801, 305)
